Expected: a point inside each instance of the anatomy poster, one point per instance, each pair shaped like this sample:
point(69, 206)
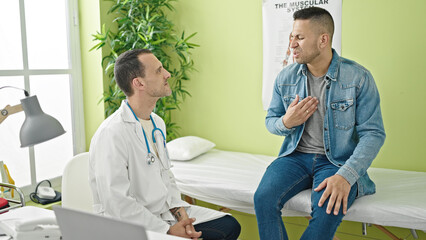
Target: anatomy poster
point(277, 27)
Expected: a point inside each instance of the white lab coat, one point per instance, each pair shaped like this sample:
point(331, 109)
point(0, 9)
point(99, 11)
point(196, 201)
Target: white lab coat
point(124, 186)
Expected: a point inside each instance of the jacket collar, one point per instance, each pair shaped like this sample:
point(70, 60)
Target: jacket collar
point(333, 69)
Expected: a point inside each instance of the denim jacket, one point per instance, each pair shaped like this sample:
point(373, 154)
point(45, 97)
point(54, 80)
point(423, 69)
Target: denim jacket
point(353, 125)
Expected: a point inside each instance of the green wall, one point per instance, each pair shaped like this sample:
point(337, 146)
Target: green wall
point(387, 37)
point(89, 16)
point(226, 105)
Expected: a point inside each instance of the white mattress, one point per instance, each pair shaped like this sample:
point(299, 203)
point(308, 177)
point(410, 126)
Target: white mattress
point(230, 179)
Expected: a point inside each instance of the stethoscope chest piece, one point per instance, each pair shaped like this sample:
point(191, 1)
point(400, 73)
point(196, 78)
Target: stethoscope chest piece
point(150, 158)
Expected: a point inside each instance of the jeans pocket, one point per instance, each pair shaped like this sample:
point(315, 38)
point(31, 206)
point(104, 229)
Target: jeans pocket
point(343, 114)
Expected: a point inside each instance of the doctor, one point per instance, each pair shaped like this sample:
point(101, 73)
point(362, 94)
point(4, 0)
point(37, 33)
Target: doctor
point(130, 173)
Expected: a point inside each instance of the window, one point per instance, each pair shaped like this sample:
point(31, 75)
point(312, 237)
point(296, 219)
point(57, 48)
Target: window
point(39, 51)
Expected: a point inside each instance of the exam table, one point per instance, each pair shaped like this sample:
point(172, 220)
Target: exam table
point(230, 179)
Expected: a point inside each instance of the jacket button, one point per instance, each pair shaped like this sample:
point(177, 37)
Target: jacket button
point(325, 129)
point(327, 150)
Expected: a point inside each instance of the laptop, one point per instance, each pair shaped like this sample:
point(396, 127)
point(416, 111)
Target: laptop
point(77, 225)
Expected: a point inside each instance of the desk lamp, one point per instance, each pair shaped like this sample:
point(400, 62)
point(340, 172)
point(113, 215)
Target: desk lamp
point(38, 127)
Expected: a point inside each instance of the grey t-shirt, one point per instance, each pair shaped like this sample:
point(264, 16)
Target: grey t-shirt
point(313, 135)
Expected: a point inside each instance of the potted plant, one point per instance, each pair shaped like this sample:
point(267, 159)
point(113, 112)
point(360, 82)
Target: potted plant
point(144, 24)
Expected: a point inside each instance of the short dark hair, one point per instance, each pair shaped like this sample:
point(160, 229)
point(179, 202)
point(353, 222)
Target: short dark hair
point(318, 15)
point(127, 67)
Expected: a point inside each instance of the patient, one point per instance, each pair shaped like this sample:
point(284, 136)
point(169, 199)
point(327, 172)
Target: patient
point(328, 109)
point(130, 173)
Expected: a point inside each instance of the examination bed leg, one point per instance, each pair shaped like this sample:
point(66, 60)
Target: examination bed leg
point(189, 199)
point(414, 233)
point(364, 229)
point(387, 232)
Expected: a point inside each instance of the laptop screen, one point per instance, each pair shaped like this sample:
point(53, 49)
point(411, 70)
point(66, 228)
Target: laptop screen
point(86, 226)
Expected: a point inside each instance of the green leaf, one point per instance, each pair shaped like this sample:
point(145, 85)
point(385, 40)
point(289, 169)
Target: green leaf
point(109, 66)
point(147, 12)
point(97, 46)
point(192, 45)
point(142, 37)
point(186, 39)
point(153, 17)
point(158, 41)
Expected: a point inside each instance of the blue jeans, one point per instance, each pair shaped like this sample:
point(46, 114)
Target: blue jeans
point(286, 177)
point(224, 228)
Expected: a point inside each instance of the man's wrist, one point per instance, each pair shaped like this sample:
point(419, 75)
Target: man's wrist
point(179, 213)
point(284, 123)
point(176, 213)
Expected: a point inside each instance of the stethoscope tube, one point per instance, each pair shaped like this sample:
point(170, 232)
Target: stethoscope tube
point(150, 156)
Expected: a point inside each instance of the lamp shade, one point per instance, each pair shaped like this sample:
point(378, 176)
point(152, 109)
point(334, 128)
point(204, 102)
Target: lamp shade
point(38, 126)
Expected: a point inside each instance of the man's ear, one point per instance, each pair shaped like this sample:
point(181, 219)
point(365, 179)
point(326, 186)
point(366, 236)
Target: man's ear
point(324, 40)
point(137, 83)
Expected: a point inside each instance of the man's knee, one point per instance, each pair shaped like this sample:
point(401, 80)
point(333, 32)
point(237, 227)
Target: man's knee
point(258, 196)
point(234, 226)
point(261, 196)
point(321, 217)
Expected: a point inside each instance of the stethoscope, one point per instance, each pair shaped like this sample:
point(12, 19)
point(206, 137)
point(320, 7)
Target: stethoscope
point(150, 157)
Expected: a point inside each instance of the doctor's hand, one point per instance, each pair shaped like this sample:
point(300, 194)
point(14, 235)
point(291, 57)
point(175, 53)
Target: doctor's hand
point(298, 112)
point(337, 188)
point(180, 229)
point(190, 230)
point(180, 214)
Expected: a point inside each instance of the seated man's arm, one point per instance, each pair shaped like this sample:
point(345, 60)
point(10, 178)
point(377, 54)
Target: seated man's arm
point(369, 128)
point(371, 133)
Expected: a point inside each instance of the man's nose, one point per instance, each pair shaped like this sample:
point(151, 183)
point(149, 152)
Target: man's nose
point(166, 74)
point(293, 43)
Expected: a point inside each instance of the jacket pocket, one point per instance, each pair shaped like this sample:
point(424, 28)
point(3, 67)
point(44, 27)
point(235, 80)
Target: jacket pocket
point(287, 100)
point(343, 114)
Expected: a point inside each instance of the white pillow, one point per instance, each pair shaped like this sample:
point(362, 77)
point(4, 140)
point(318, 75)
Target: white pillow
point(187, 148)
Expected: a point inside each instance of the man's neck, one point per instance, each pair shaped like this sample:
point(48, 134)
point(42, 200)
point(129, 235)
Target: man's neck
point(319, 66)
point(142, 106)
